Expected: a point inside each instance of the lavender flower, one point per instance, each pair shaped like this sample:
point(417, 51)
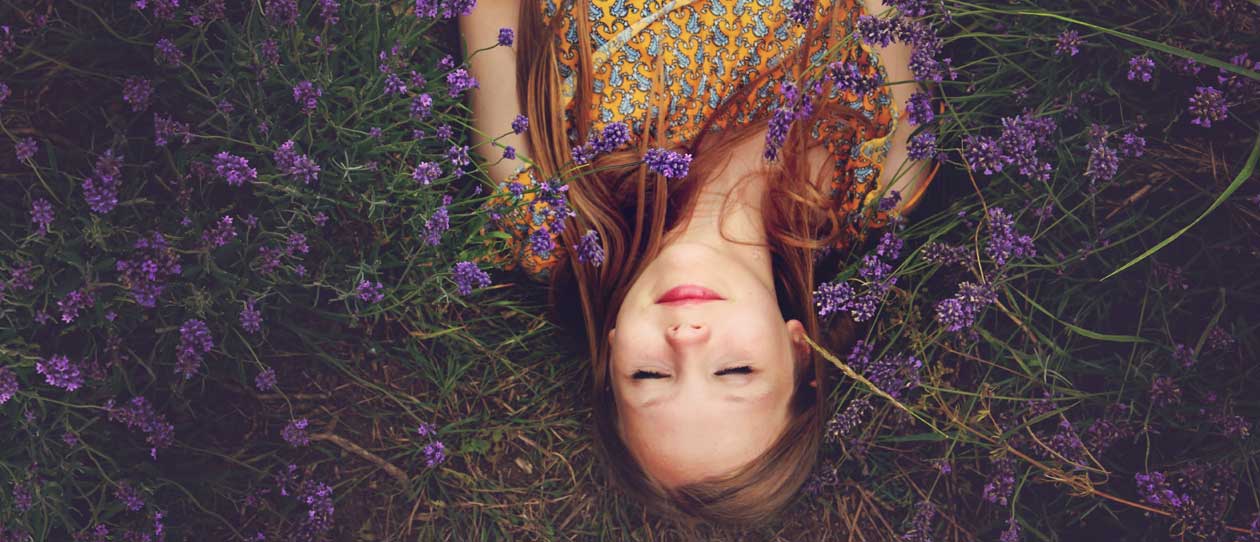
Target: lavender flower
point(295, 433)
point(944, 254)
point(1005, 243)
point(394, 85)
point(1011, 534)
point(960, 311)
point(144, 273)
point(1104, 163)
point(919, 108)
point(434, 453)
point(438, 223)
point(60, 372)
point(306, 94)
point(589, 249)
point(520, 124)
point(281, 12)
point(266, 380)
point(8, 385)
point(541, 242)
point(444, 131)
point(832, 297)
point(369, 291)
point(130, 497)
point(776, 132)
point(74, 302)
point(672, 165)
point(876, 30)
point(1164, 392)
point(505, 37)
point(328, 10)
point(25, 148)
point(5, 92)
point(1068, 43)
point(22, 499)
point(509, 152)
point(801, 12)
point(1183, 354)
point(1132, 145)
point(467, 275)
point(42, 215)
point(922, 146)
point(911, 8)
point(234, 169)
point(421, 106)
point(445, 9)
point(614, 136)
point(168, 53)
point(1220, 340)
point(983, 153)
point(1207, 105)
point(251, 318)
point(1153, 489)
point(219, 234)
point(1140, 67)
point(426, 172)
point(848, 76)
point(194, 341)
point(101, 191)
point(296, 165)
point(1001, 485)
point(137, 91)
point(166, 128)
point(460, 80)
point(841, 426)
point(921, 525)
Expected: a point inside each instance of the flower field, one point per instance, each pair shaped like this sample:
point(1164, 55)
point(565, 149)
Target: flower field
point(244, 290)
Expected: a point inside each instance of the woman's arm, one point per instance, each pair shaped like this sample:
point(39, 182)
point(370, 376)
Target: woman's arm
point(896, 60)
point(493, 103)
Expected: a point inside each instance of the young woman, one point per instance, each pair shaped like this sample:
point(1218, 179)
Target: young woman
point(706, 399)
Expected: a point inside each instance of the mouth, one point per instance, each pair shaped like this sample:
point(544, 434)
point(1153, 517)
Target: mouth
point(687, 294)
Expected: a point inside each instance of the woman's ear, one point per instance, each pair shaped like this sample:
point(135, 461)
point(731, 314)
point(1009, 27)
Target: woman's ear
point(611, 334)
point(796, 333)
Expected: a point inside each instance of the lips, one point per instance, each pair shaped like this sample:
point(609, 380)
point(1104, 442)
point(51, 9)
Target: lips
point(688, 293)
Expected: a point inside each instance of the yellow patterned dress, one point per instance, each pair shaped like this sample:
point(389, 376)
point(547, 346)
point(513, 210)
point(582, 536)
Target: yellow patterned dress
point(708, 49)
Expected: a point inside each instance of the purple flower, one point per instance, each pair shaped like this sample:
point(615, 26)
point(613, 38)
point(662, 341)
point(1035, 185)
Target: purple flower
point(802, 12)
point(1005, 243)
point(269, 50)
point(421, 106)
point(25, 148)
point(1183, 354)
point(1068, 43)
point(832, 297)
point(911, 8)
point(374, 132)
point(369, 291)
point(22, 498)
point(1132, 145)
point(922, 146)
point(672, 165)
point(426, 172)
point(589, 249)
point(1207, 105)
point(467, 275)
point(266, 380)
point(842, 424)
point(614, 136)
point(69, 438)
point(944, 254)
point(445, 9)
point(1140, 67)
point(1002, 484)
point(144, 273)
point(1011, 534)
point(168, 53)
point(251, 318)
point(1164, 392)
point(426, 429)
point(1153, 489)
point(438, 223)
point(505, 37)
point(130, 497)
point(876, 30)
point(328, 11)
point(60, 372)
point(167, 127)
point(458, 155)
point(395, 85)
point(921, 525)
point(541, 242)
point(8, 385)
point(983, 153)
point(1220, 340)
point(434, 453)
point(42, 215)
point(919, 108)
point(234, 169)
point(306, 94)
point(776, 132)
point(444, 131)
point(458, 81)
point(219, 234)
point(137, 91)
point(848, 76)
point(295, 433)
point(1104, 163)
point(74, 302)
point(194, 341)
point(293, 164)
point(960, 311)
point(520, 124)
point(281, 12)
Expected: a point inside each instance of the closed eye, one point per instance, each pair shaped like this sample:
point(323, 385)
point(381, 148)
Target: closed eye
point(743, 369)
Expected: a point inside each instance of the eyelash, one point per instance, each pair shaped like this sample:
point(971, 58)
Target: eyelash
point(743, 369)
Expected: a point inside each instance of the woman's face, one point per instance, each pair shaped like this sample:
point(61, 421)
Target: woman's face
point(702, 386)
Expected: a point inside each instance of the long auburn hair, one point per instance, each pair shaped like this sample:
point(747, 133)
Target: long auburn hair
point(632, 209)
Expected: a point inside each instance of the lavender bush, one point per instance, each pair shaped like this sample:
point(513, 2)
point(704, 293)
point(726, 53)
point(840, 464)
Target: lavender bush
point(247, 289)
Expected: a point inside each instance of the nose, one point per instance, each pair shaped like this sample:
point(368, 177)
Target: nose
point(683, 334)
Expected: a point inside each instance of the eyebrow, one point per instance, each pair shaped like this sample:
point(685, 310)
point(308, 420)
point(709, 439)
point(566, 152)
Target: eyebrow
point(657, 400)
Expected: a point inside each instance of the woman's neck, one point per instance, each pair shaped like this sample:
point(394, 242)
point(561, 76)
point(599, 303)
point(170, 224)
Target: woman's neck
point(738, 217)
